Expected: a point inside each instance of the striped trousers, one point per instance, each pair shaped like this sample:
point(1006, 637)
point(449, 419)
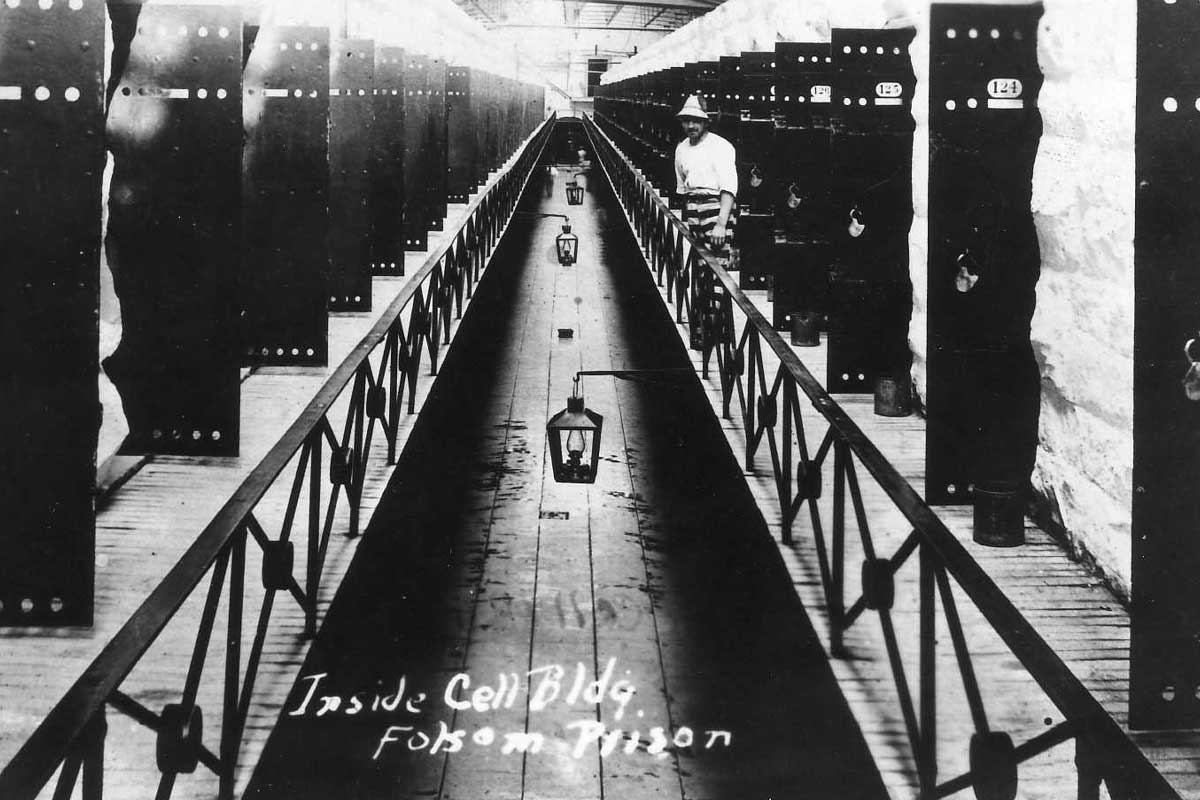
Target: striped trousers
point(700, 213)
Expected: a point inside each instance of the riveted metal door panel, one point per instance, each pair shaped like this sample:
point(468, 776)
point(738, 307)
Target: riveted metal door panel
point(462, 157)
point(491, 127)
point(419, 151)
point(801, 276)
point(874, 82)
point(175, 131)
point(755, 241)
point(803, 143)
point(756, 131)
point(708, 86)
point(1165, 668)
point(871, 294)
point(728, 97)
point(51, 163)
point(758, 171)
point(285, 271)
point(502, 137)
point(982, 388)
point(478, 83)
point(351, 135)
point(803, 84)
point(758, 84)
point(435, 188)
point(802, 158)
point(387, 175)
point(507, 129)
point(675, 93)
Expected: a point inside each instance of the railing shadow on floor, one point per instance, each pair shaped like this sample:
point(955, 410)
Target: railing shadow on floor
point(703, 297)
point(381, 374)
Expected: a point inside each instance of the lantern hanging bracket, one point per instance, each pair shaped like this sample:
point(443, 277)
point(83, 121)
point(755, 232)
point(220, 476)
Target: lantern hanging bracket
point(538, 214)
point(635, 375)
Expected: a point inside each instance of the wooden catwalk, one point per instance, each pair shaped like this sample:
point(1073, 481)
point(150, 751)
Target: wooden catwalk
point(502, 636)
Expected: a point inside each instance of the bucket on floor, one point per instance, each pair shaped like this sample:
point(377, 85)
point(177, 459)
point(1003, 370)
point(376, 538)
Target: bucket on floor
point(999, 514)
point(806, 326)
point(892, 396)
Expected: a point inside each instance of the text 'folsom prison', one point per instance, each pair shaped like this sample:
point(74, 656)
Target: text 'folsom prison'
point(538, 690)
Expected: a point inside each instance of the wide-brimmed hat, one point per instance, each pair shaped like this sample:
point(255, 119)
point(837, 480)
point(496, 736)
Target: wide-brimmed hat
point(692, 110)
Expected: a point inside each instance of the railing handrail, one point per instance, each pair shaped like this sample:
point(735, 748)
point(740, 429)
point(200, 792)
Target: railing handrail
point(1061, 685)
point(46, 748)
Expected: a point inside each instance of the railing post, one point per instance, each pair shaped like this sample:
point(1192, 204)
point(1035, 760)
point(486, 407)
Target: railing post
point(415, 337)
point(927, 759)
point(476, 251)
point(314, 531)
point(358, 470)
point(93, 756)
point(752, 357)
point(695, 268)
point(729, 377)
point(466, 264)
point(784, 485)
point(647, 219)
point(653, 242)
point(464, 273)
point(662, 251)
point(837, 611)
point(434, 316)
point(449, 286)
point(231, 734)
point(393, 372)
point(1087, 766)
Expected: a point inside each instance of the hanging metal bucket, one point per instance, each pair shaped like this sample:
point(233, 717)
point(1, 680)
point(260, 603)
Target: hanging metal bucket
point(999, 514)
point(892, 397)
point(806, 329)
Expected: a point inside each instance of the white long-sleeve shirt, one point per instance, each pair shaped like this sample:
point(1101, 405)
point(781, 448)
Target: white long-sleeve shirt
point(710, 166)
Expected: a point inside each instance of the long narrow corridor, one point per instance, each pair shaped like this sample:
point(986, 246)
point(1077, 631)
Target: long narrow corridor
point(503, 636)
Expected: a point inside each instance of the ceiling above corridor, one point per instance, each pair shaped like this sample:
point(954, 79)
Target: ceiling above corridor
point(561, 36)
point(649, 16)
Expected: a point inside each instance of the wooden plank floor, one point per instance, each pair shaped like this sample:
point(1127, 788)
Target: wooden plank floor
point(142, 531)
point(1085, 624)
point(655, 576)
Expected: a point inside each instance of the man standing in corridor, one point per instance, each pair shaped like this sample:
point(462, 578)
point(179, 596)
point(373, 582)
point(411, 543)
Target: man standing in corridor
point(706, 176)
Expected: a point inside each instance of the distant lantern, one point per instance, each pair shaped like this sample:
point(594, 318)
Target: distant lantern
point(567, 244)
point(574, 435)
point(574, 194)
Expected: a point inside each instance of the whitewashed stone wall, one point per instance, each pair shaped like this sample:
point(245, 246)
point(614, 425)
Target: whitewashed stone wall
point(1083, 197)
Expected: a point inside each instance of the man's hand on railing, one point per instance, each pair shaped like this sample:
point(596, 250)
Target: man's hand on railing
point(717, 236)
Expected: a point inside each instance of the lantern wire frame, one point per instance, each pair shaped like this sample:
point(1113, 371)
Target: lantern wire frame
point(574, 433)
point(566, 244)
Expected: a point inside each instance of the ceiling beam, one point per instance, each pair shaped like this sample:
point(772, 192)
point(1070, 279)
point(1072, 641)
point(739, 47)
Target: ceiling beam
point(616, 10)
point(505, 25)
point(657, 14)
point(555, 87)
point(485, 14)
point(694, 5)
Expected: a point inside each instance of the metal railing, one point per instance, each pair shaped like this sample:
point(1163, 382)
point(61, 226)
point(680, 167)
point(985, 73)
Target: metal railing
point(410, 332)
point(703, 296)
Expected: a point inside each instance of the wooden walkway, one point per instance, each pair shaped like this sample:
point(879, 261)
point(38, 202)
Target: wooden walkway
point(659, 580)
point(1081, 619)
point(142, 530)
